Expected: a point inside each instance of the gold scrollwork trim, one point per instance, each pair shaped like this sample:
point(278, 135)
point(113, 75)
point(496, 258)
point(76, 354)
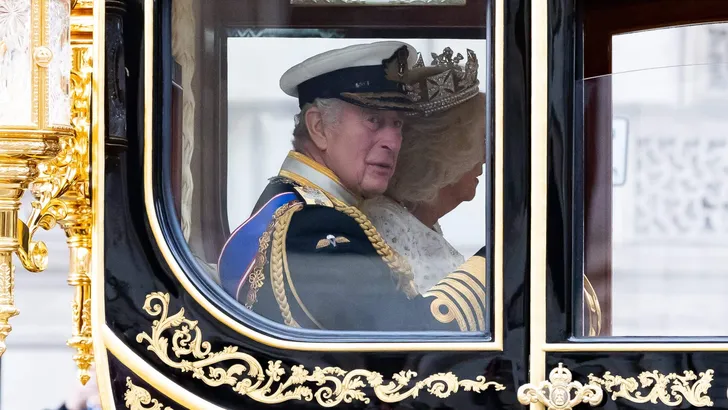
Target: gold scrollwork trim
point(560, 392)
point(138, 398)
point(329, 386)
point(670, 389)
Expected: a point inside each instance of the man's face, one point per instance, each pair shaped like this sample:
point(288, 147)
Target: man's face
point(362, 148)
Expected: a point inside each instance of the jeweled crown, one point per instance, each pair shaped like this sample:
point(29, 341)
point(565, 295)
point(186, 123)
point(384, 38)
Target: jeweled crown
point(450, 85)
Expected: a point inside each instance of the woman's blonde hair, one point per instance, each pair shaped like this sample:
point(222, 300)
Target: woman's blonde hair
point(438, 150)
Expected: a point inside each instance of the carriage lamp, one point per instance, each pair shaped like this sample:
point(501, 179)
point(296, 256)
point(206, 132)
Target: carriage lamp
point(35, 120)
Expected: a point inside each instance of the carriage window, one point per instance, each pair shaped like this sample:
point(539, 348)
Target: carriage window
point(656, 220)
point(332, 178)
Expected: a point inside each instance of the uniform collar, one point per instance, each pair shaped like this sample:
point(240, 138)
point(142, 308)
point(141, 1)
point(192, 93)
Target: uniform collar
point(305, 171)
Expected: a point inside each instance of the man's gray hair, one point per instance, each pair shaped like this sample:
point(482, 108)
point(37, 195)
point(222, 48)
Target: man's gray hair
point(330, 109)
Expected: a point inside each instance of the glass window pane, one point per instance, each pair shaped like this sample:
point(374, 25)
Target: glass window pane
point(657, 223)
point(370, 218)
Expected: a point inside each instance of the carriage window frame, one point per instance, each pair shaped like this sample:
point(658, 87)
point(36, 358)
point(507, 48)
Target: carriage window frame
point(161, 204)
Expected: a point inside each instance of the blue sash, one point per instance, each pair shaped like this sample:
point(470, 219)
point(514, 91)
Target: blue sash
point(238, 255)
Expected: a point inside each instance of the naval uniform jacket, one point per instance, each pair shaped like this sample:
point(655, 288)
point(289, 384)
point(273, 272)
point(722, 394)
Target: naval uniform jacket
point(307, 257)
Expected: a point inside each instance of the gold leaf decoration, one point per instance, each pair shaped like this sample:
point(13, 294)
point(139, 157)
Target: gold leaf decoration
point(328, 386)
point(670, 389)
point(138, 398)
point(560, 392)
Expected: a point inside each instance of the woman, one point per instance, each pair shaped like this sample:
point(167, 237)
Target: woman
point(441, 158)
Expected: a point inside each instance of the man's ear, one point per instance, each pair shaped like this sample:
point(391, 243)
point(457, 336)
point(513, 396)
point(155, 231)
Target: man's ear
point(315, 125)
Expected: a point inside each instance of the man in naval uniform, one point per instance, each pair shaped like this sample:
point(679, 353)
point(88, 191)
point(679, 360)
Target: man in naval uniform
point(307, 257)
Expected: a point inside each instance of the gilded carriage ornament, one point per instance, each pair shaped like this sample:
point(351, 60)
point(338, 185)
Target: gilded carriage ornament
point(62, 195)
point(669, 389)
point(138, 398)
point(34, 117)
point(329, 386)
point(560, 392)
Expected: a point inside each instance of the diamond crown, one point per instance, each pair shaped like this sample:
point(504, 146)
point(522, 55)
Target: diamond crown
point(449, 83)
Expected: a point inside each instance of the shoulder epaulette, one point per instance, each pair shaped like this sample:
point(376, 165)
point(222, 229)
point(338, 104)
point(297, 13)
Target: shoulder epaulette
point(313, 196)
point(460, 296)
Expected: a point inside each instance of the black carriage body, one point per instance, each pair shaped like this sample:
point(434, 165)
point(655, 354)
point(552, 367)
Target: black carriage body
point(166, 322)
point(136, 267)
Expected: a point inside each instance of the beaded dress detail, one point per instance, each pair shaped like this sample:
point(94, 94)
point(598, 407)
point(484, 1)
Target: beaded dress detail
point(429, 254)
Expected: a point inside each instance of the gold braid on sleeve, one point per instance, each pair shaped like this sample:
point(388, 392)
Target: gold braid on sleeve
point(257, 277)
point(276, 260)
point(405, 277)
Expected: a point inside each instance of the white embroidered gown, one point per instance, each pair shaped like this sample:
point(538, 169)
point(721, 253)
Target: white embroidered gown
point(431, 256)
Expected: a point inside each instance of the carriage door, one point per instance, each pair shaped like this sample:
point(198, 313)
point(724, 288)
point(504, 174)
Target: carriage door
point(212, 126)
point(630, 267)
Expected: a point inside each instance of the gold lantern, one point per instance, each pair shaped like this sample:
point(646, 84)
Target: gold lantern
point(45, 102)
point(35, 101)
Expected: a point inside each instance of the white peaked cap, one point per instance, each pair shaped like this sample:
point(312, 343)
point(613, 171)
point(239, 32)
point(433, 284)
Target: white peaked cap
point(358, 55)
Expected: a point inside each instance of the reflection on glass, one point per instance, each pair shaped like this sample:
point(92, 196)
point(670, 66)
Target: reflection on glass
point(669, 200)
point(259, 108)
point(353, 202)
point(308, 256)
